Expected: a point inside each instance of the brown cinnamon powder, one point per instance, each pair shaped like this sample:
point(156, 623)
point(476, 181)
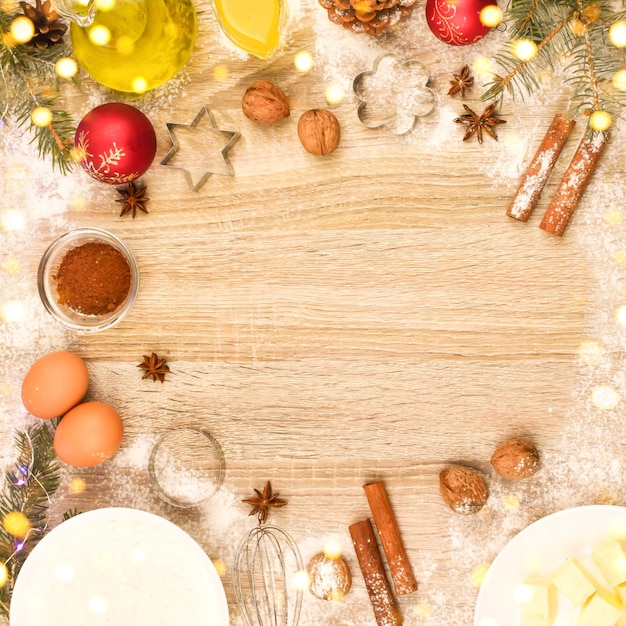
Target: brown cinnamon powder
point(93, 279)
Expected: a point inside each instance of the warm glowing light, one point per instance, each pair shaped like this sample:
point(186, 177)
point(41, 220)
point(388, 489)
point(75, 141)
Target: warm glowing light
point(41, 116)
point(98, 604)
point(483, 67)
point(332, 549)
point(137, 555)
point(16, 524)
point(424, 610)
point(105, 5)
point(12, 219)
point(220, 72)
point(490, 16)
point(77, 485)
point(100, 35)
point(605, 397)
point(614, 217)
point(220, 567)
point(140, 84)
point(22, 29)
point(78, 154)
point(522, 594)
point(334, 94)
point(301, 580)
point(600, 120)
point(64, 572)
point(617, 528)
point(590, 352)
point(619, 256)
point(11, 311)
point(66, 67)
point(11, 265)
point(511, 502)
point(303, 61)
point(4, 575)
point(479, 573)
point(620, 315)
point(617, 34)
point(125, 45)
point(619, 80)
point(524, 49)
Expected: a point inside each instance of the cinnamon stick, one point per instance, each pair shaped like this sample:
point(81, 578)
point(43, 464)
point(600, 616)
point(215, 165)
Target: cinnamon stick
point(540, 168)
point(573, 185)
point(389, 533)
point(386, 610)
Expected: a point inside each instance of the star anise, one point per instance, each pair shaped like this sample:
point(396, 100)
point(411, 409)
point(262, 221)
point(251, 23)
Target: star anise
point(262, 502)
point(154, 367)
point(462, 81)
point(476, 124)
point(133, 197)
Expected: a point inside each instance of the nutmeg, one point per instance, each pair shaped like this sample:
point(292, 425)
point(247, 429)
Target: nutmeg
point(516, 458)
point(329, 577)
point(265, 103)
point(318, 130)
point(463, 489)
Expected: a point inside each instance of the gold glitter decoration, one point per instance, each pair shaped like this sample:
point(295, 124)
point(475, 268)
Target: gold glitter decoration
point(479, 573)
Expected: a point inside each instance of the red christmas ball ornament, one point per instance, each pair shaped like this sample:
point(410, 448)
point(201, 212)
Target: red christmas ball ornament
point(457, 22)
point(115, 143)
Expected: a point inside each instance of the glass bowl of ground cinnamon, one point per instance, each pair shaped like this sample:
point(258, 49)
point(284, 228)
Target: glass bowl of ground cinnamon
point(88, 279)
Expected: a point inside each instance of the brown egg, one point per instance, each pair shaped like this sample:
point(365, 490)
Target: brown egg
point(89, 434)
point(54, 384)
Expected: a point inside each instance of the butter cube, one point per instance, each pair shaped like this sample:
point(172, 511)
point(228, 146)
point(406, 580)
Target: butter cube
point(602, 609)
point(540, 608)
point(575, 582)
point(611, 561)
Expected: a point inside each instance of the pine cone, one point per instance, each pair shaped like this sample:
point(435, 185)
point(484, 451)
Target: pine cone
point(367, 16)
point(49, 29)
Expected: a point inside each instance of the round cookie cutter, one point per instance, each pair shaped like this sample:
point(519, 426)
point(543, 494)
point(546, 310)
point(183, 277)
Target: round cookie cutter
point(186, 467)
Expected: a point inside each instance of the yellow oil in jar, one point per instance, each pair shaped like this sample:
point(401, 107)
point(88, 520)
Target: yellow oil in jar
point(253, 25)
point(138, 44)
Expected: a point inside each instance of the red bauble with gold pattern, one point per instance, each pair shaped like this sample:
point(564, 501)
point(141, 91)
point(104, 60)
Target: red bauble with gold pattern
point(457, 22)
point(115, 143)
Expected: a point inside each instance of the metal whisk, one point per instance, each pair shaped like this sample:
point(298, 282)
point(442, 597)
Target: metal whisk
point(262, 576)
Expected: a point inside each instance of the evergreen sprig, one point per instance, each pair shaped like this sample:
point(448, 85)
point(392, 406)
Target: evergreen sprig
point(572, 35)
point(27, 80)
point(27, 489)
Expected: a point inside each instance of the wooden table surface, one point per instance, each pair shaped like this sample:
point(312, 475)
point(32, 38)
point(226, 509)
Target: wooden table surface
point(331, 321)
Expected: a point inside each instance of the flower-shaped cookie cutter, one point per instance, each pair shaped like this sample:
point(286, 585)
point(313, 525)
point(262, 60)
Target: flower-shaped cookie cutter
point(394, 94)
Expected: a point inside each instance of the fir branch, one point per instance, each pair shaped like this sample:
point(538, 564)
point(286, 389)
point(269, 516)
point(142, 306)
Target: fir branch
point(27, 489)
point(28, 80)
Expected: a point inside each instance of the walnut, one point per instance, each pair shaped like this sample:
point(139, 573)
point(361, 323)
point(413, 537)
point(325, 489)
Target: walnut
point(463, 489)
point(265, 103)
point(318, 130)
point(516, 459)
point(329, 577)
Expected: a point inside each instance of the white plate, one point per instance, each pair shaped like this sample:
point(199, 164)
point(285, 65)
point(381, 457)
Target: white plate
point(538, 550)
point(118, 567)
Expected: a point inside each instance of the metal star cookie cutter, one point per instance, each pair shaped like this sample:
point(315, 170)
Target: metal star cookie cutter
point(204, 171)
point(394, 94)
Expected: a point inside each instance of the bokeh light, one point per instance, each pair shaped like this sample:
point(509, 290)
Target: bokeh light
point(301, 580)
point(41, 116)
point(605, 397)
point(619, 80)
point(125, 45)
point(332, 549)
point(490, 16)
point(614, 217)
point(220, 72)
point(11, 265)
point(66, 67)
point(479, 573)
point(484, 67)
point(220, 567)
point(511, 502)
point(77, 485)
point(11, 311)
point(140, 84)
point(620, 315)
point(424, 610)
point(16, 524)
point(100, 35)
point(523, 594)
point(600, 120)
point(590, 352)
point(98, 605)
point(524, 49)
point(105, 5)
point(64, 572)
point(12, 219)
point(617, 34)
point(22, 29)
point(303, 61)
point(4, 575)
point(334, 94)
